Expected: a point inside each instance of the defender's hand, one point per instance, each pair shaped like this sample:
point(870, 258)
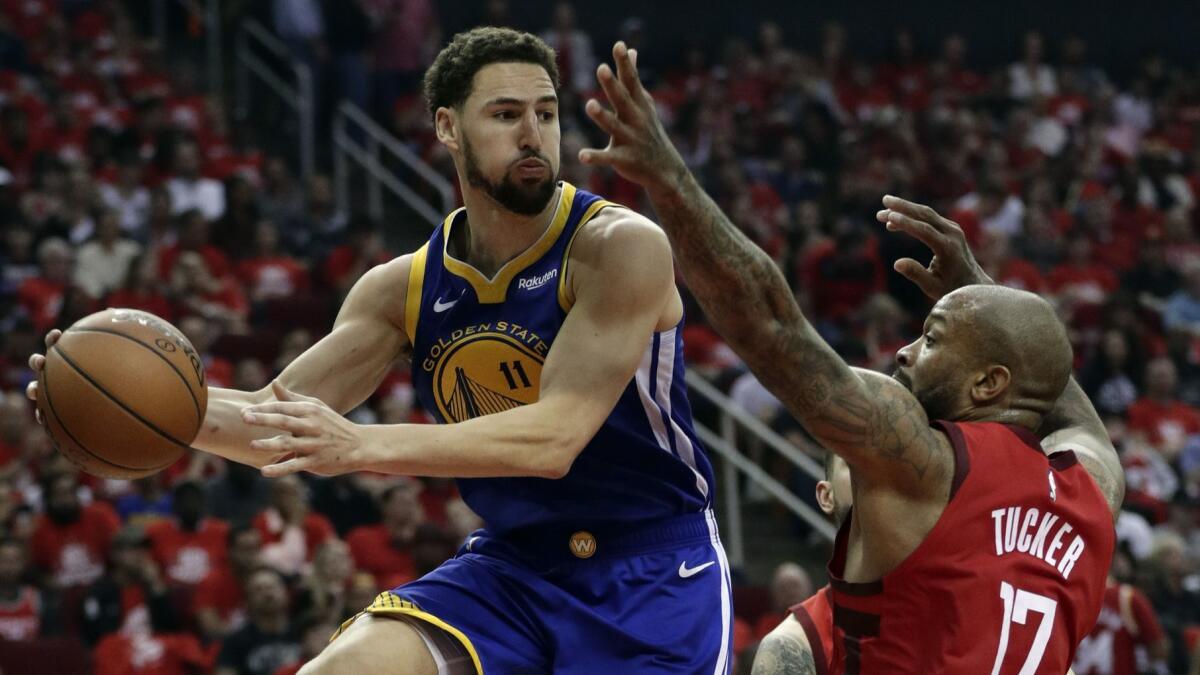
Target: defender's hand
point(638, 147)
point(315, 438)
point(37, 363)
point(953, 265)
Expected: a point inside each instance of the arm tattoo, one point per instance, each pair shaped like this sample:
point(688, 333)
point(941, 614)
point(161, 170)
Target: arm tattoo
point(781, 654)
point(748, 301)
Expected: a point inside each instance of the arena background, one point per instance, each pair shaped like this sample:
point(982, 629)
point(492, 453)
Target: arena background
point(236, 166)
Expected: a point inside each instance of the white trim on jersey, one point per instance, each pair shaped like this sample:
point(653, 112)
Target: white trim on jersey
point(724, 662)
point(662, 394)
point(658, 407)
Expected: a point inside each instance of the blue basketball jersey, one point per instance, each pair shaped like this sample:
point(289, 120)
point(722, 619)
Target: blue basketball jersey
point(478, 349)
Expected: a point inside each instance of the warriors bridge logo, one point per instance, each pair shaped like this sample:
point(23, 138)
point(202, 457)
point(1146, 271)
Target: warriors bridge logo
point(484, 369)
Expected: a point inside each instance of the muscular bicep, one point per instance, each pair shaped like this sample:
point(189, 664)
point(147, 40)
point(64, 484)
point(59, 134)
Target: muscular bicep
point(624, 285)
point(346, 366)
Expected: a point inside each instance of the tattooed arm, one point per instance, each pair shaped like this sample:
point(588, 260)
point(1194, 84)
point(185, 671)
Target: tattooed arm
point(874, 423)
point(785, 651)
point(1073, 423)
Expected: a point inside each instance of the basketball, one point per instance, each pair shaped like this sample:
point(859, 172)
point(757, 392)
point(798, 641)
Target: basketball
point(122, 394)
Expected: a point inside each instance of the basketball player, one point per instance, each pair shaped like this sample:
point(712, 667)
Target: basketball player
point(543, 327)
point(968, 549)
point(803, 642)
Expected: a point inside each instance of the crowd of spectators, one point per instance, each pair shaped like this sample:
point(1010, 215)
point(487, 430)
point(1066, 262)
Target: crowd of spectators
point(124, 184)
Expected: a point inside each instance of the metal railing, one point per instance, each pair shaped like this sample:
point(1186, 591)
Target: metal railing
point(209, 13)
point(358, 138)
point(732, 419)
point(252, 39)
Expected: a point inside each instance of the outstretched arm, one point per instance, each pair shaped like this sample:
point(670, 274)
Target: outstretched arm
point(876, 425)
point(1073, 423)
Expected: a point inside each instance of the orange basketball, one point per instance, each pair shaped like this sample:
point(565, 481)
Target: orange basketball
point(122, 394)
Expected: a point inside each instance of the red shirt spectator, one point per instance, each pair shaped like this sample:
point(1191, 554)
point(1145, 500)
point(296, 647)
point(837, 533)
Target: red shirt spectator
point(150, 654)
point(221, 592)
point(1020, 274)
point(291, 533)
point(346, 263)
point(1080, 278)
point(214, 260)
point(376, 552)
point(384, 550)
point(70, 542)
point(270, 273)
point(219, 601)
point(1127, 621)
point(995, 256)
point(1165, 421)
point(42, 300)
point(188, 556)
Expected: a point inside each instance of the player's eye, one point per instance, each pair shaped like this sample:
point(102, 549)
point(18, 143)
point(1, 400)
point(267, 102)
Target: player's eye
point(505, 115)
point(547, 115)
point(929, 339)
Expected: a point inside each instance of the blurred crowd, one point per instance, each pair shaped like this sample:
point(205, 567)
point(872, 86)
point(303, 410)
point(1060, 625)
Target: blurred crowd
point(123, 183)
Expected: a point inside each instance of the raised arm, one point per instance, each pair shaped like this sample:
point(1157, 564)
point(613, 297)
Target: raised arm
point(624, 289)
point(875, 424)
point(1073, 423)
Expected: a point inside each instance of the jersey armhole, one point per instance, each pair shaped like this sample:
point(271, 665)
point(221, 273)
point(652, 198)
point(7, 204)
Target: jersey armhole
point(566, 297)
point(815, 645)
point(412, 300)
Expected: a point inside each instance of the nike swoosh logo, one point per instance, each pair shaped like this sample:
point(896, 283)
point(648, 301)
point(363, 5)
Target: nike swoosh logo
point(685, 572)
point(439, 306)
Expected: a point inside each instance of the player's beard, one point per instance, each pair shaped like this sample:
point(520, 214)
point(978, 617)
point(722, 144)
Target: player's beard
point(520, 198)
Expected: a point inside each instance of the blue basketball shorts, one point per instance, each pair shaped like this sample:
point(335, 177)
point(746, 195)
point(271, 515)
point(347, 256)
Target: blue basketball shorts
point(632, 599)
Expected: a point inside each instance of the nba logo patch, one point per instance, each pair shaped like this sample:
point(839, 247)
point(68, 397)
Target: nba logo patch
point(1053, 487)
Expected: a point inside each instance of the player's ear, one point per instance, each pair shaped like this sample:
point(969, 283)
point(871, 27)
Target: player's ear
point(990, 384)
point(825, 497)
point(445, 123)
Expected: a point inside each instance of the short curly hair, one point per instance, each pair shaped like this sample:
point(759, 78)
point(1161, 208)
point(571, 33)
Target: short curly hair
point(448, 81)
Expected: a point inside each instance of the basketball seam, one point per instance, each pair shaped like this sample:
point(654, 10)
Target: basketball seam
point(195, 401)
point(81, 446)
point(117, 401)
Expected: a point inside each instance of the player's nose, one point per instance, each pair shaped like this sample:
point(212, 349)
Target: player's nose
point(904, 356)
point(531, 131)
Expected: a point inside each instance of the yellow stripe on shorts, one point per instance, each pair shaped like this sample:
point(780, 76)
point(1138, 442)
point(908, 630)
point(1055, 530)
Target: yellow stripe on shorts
point(390, 604)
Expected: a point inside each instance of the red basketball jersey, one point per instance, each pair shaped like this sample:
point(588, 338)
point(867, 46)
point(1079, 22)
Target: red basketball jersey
point(1008, 581)
point(816, 618)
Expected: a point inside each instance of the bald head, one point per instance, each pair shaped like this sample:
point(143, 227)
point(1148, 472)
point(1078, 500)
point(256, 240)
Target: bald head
point(1017, 330)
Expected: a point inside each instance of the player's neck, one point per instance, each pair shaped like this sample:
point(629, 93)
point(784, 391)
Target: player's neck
point(494, 235)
